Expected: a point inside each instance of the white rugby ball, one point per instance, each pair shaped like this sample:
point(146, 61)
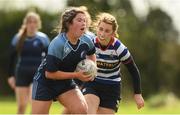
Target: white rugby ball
point(88, 66)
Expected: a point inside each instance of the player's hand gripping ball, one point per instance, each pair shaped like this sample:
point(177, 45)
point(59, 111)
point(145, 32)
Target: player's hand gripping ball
point(88, 66)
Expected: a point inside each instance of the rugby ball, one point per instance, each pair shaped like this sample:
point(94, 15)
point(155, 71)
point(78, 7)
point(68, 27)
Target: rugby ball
point(88, 66)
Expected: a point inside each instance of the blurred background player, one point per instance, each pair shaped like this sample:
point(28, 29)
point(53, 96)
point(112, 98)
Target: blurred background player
point(103, 94)
point(54, 79)
point(29, 47)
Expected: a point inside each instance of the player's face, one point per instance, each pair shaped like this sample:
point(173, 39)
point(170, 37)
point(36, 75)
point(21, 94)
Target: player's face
point(78, 26)
point(32, 25)
point(104, 32)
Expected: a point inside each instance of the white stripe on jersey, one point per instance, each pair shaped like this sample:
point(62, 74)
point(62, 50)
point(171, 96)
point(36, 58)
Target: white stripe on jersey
point(121, 49)
point(108, 74)
point(107, 61)
point(125, 57)
point(106, 52)
point(117, 79)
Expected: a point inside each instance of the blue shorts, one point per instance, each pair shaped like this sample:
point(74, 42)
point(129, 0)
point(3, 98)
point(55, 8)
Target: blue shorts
point(24, 76)
point(109, 94)
point(45, 91)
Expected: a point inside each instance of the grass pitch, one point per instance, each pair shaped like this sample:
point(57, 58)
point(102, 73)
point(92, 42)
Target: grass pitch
point(157, 106)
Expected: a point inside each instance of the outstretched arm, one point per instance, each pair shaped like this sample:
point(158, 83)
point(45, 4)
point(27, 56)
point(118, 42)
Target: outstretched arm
point(133, 70)
point(12, 59)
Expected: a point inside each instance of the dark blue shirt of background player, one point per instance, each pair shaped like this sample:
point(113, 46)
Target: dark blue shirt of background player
point(28, 46)
point(28, 59)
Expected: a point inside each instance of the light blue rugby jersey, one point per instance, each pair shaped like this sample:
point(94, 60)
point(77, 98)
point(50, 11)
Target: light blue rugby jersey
point(109, 60)
point(61, 55)
point(34, 48)
point(90, 34)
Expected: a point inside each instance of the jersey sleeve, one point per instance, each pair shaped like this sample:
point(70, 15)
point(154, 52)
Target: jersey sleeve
point(123, 53)
point(90, 43)
point(54, 56)
point(126, 58)
point(135, 74)
point(14, 41)
point(12, 56)
point(91, 35)
point(52, 63)
point(45, 40)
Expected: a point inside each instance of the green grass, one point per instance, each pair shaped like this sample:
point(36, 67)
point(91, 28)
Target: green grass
point(156, 105)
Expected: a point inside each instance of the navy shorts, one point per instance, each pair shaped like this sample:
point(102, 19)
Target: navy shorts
point(45, 91)
point(24, 76)
point(109, 94)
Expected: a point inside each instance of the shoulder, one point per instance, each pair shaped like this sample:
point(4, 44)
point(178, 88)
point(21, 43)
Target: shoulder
point(43, 37)
point(91, 35)
point(87, 38)
point(15, 39)
point(41, 34)
point(57, 44)
point(58, 40)
point(118, 44)
point(121, 49)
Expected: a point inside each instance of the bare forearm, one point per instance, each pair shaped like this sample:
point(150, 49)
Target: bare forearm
point(60, 75)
